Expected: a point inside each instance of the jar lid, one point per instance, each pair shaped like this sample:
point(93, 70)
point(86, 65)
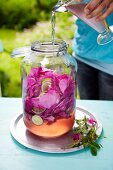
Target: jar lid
point(21, 52)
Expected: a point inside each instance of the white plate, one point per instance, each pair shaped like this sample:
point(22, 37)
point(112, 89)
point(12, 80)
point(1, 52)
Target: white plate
point(56, 145)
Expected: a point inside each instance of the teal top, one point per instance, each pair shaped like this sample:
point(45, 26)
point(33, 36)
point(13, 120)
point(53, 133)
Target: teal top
point(87, 50)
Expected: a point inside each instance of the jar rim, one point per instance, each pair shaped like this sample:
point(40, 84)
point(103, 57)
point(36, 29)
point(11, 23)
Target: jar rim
point(48, 46)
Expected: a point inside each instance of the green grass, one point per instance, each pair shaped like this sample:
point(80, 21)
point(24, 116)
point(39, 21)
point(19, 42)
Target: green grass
point(8, 65)
point(12, 39)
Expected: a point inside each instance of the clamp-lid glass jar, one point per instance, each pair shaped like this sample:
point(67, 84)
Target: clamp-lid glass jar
point(48, 89)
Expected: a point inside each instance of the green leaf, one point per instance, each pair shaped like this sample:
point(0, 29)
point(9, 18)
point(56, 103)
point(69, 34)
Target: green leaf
point(75, 144)
point(85, 145)
point(101, 146)
point(80, 122)
point(85, 130)
point(93, 150)
point(77, 130)
point(96, 145)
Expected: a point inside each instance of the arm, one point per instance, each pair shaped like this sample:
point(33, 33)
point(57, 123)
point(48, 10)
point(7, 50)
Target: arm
point(95, 8)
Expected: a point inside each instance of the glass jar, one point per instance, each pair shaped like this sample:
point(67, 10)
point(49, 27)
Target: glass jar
point(49, 89)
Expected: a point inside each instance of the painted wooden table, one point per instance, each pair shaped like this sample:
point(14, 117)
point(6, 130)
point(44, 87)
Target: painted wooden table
point(15, 156)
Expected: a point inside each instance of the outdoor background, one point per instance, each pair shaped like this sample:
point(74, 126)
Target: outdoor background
point(22, 22)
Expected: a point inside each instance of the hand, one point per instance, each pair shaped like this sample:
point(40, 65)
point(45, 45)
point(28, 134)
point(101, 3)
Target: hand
point(100, 9)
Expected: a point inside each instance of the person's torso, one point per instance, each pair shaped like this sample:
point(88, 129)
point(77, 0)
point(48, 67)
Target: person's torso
point(85, 43)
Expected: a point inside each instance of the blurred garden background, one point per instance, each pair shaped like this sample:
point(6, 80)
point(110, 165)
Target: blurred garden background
point(22, 22)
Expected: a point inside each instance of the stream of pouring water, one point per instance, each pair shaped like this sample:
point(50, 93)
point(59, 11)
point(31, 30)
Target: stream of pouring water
point(53, 20)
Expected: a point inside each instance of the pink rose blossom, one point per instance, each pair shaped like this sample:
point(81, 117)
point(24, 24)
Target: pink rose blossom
point(92, 121)
point(76, 136)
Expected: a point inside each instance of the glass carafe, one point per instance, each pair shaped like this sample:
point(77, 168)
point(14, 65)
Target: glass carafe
point(48, 88)
point(77, 8)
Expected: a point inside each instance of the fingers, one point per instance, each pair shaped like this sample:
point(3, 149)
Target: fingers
point(106, 13)
point(91, 6)
point(99, 8)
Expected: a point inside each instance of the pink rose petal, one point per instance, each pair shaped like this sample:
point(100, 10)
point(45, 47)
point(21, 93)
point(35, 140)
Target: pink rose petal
point(63, 84)
point(49, 99)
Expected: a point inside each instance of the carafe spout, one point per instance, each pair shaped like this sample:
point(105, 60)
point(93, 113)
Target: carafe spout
point(59, 8)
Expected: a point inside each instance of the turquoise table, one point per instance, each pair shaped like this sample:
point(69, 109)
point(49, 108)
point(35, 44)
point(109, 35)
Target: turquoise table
point(14, 156)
